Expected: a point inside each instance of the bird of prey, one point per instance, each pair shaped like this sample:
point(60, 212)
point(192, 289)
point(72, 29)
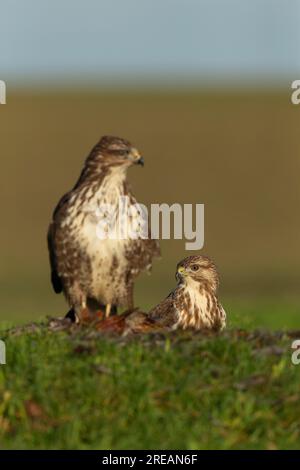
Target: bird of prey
point(97, 273)
point(192, 304)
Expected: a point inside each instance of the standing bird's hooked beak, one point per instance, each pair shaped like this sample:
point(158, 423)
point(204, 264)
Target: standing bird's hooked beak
point(136, 157)
point(141, 161)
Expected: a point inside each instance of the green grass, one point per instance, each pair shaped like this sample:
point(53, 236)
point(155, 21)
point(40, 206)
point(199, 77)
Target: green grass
point(76, 389)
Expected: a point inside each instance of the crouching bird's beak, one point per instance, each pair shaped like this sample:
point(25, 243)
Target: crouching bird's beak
point(180, 273)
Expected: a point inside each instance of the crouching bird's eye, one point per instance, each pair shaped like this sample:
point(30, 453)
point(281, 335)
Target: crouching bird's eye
point(194, 267)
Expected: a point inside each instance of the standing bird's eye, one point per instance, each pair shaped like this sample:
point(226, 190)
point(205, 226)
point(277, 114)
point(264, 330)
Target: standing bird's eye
point(121, 152)
point(194, 267)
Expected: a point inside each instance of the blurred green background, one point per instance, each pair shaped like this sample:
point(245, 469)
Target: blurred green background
point(235, 151)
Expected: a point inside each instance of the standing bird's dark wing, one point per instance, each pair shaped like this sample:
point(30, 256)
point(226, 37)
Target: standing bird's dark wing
point(55, 279)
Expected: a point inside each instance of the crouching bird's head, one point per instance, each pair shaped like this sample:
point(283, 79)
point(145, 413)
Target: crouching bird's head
point(198, 269)
point(112, 152)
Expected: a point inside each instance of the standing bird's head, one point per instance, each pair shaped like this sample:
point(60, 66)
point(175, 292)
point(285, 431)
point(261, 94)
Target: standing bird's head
point(198, 269)
point(112, 152)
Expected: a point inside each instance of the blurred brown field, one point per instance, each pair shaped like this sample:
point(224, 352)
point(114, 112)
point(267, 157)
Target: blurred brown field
point(236, 152)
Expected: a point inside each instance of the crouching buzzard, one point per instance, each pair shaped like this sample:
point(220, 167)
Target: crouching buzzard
point(97, 272)
point(193, 303)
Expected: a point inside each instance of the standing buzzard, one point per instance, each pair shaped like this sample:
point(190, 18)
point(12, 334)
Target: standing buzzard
point(97, 273)
point(192, 304)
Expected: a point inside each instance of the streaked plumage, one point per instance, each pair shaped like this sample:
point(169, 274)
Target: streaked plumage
point(92, 272)
point(193, 303)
